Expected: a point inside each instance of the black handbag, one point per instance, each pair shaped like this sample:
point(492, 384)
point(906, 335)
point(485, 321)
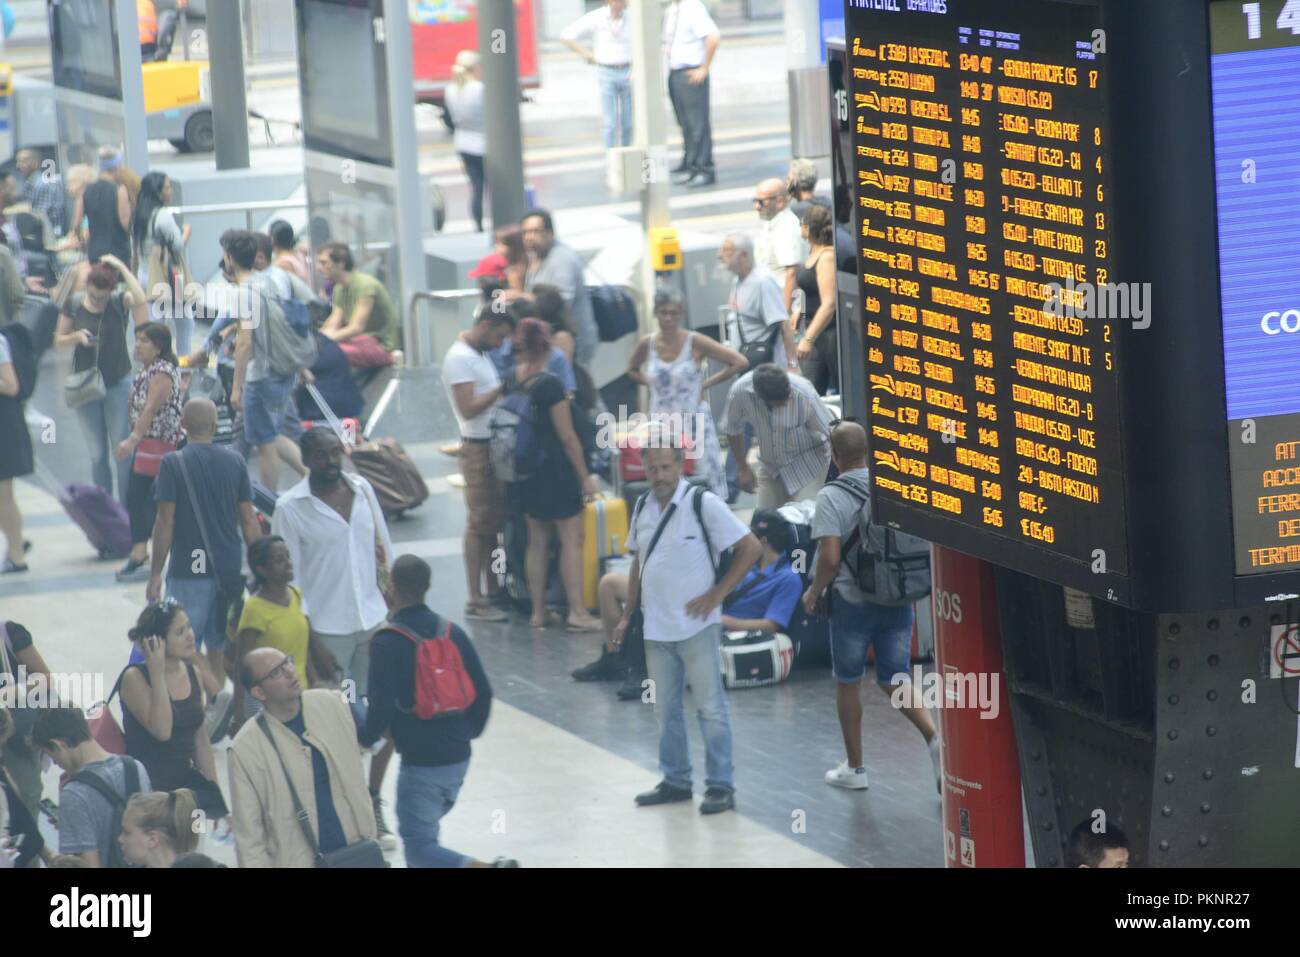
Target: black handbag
point(365, 853)
point(207, 794)
point(760, 350)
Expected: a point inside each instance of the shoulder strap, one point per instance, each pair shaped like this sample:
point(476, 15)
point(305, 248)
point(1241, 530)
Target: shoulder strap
point(299, 812)
point(104, 789)
point(198, 512)
point(404, 632)
point(698, 492)
point(851, 540)
point(746, 588)
point(659, 530)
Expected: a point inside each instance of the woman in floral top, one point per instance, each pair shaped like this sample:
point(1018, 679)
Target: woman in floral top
point(155, 414)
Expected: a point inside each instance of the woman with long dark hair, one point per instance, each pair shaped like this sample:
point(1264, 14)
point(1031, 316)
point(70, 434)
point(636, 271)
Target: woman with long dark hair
point(162, 706)
point(553, 499)
point(154, 408)
point(153, 226)
point(818, 351)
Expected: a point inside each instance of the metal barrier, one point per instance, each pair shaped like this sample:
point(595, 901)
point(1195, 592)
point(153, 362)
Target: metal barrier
point(432, 315)
point(248, 209)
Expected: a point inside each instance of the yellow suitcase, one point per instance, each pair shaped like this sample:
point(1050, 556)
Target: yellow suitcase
point(604, 530)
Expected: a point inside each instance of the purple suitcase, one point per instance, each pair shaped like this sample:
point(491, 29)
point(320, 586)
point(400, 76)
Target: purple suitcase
point(100, 516)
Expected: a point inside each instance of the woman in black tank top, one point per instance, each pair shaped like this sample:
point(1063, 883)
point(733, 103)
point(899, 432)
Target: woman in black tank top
point(818, 351)
point(162, 700)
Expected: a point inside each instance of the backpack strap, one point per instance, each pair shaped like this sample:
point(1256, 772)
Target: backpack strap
point(104, 789)
point(697, 504)
point(851, 540)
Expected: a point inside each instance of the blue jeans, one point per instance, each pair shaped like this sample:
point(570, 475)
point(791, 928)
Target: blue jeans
point(672, 665)
point(198, 596)
point(616, 104)
point(424, 796)
point(266, 404)
point(105, 423)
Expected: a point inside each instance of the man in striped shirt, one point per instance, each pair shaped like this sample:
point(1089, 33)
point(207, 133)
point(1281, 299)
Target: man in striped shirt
point(793, 430)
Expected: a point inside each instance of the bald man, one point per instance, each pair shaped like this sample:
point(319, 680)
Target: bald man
point(779, 245)
point(205, 505)
point(856, 623)
point(311, 736)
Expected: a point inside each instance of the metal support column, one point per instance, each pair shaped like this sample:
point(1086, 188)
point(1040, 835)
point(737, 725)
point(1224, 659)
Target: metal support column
point(411, 206)
point(135, 136)
point(651, 137)
point(229, 98)
point(504, 162)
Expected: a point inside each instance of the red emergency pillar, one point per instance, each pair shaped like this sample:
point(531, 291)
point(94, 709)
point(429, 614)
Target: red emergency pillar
point(982, 811)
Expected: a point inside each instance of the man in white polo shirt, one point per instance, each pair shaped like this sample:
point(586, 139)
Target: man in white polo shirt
point(610, 32)
point(680, 531)
point(690, 41)
point(473, 386)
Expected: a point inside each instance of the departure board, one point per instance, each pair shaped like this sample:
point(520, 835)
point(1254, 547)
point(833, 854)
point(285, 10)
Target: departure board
point(982, 182)
point(1254, 63)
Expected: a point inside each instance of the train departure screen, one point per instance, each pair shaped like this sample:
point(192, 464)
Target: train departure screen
point(981, 153)
point(1255, 58)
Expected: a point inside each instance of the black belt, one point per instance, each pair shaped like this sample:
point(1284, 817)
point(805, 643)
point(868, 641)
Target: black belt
point(615, 66)
point(480, 441)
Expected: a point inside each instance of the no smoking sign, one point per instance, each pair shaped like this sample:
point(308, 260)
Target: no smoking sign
point(1284, 656)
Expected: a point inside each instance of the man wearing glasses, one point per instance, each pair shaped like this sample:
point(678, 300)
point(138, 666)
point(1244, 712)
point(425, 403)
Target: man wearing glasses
point(779, 246)
point(315, 743)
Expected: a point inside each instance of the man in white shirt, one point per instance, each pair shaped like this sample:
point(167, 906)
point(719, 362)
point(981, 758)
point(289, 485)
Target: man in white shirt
point(779, 246)
point(691, 39)
point(474, 386)
point(679, 532)
point(610, 32)
point(335, 531)
point(755, 302)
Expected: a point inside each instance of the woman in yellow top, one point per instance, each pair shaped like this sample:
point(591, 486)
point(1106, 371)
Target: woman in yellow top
point(273, 618)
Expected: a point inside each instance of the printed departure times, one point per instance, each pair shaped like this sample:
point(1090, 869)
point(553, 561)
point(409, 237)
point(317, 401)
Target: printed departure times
point(991, 322)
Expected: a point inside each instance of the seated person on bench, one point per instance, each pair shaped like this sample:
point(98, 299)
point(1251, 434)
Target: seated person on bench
point(363, 321)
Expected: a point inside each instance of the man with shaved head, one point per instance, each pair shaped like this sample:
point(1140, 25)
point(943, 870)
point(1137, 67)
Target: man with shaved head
point(856, 623)
point(779, 246)
point(205, 505)
point(300, 737)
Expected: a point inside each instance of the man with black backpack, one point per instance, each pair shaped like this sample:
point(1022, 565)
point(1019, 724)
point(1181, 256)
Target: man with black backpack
point(99, 785)
point(429, 689)
point(848, 559)
point(678, 535)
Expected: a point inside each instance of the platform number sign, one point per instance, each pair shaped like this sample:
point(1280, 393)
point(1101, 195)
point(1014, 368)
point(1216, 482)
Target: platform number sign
point(1287, 19)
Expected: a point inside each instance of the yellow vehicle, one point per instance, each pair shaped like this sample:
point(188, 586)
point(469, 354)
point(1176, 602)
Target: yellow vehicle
point(178, 104)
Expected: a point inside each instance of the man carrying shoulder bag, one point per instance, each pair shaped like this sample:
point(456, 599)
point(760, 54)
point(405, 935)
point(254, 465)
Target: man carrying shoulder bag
point(297, 786)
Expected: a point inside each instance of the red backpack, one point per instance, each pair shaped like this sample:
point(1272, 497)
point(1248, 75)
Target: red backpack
point(442, 685)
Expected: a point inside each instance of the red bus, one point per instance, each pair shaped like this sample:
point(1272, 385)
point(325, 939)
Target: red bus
point(442, 28)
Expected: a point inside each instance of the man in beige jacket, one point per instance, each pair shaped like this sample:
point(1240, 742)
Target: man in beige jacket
point(317, 740)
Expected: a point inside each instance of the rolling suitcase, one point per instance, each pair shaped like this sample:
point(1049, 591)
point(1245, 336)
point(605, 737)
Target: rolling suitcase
point(100, 516)
point(398, 484)
point(604, 526)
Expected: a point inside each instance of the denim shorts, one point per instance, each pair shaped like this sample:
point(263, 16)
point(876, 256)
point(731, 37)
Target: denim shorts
point(854, 628)
point(205, 608)
point(266, 402)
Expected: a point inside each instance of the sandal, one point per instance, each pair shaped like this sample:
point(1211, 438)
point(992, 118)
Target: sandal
point(485, 612)
point(595, 625)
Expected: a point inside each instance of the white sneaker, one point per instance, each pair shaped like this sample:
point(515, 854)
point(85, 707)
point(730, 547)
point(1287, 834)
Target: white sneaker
point(847, 777)
point(936, 760)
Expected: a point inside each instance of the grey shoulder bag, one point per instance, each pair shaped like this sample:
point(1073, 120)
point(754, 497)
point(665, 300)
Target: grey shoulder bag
point(366, 853)
point(87, 386)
